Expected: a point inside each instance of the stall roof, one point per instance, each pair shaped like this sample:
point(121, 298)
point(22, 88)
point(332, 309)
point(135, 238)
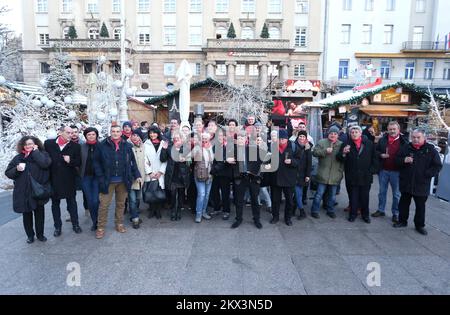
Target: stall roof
point(391, 110)
point(354, 96)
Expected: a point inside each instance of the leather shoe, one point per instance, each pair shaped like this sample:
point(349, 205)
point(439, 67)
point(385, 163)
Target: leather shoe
point(236, 224)
point(57, 233)
point(400, 225)
point(315, 215)
point(377, 214)
point(226, 216)
point(331, 215)
point(77, 229)
point(258, 224)
point(30, 240)
point(421, 230)
point(93, 228)
point(367, 220)
point(288, 222)
point(274, 221)
point(42, 238)
point(395, 219)
point(351, 219)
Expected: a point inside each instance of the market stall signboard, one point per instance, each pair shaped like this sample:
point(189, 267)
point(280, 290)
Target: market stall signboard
point(391, 96)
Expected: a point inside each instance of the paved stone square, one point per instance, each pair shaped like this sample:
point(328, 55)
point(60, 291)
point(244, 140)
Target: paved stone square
point(322, 256)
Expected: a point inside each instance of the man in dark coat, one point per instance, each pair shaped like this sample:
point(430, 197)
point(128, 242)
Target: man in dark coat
point(419, 162)
point(66, 159)
point(116, 170)
point(304, 155)
point(284, 178)
point(360, 163)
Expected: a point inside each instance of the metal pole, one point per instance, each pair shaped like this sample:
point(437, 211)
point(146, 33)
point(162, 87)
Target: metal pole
point(123, 107)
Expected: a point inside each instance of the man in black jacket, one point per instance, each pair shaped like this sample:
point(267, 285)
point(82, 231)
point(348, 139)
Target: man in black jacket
point(419, 162)
point(246, 165)
point(66, 159)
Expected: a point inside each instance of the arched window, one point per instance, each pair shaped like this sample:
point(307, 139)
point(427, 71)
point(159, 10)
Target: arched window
point(247, 33)
point(274, 33)
point(117, 32)
point(66, 32)
point(222, 31)
point(93, 33)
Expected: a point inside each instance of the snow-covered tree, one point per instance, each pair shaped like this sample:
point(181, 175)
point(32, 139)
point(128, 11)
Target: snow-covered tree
point(61, 80)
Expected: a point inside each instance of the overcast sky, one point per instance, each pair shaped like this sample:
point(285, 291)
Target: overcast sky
point(12, 18)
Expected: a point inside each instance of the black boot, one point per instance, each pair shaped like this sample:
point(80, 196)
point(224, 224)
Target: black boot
point(173, 215)
point(158, 212)
point(178, 214)
point(302, 214)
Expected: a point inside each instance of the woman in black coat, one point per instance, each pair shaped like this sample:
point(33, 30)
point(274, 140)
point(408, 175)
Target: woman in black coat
point(304, 155)
point(31, 161)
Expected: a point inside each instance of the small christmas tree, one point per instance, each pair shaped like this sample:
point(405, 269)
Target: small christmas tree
point(104, 31)
point(265, 32)
point(72, 32)
point(231, 32)
point(61, 80)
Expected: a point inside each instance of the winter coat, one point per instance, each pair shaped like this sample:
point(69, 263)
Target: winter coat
point(359, 166)
point(304, 164)
point(415, 178)
point(37, 165)
point(178, 172)
point(383, 142)
point(330, 170)
point(220, 165)
point(285, 175)
point(84, 156)
point(139, 156)
point(104, 164)
point(63, 175)
point(155, 161)
point(253, 164)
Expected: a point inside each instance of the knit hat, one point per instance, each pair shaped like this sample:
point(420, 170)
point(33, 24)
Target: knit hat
point(127, 123)
point(283, 134)
point(138, 132)
point(90, 129)
point(333, 129)
point(302, 133)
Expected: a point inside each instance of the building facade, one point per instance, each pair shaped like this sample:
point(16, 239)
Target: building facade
point(161, 33)
point(398, 40)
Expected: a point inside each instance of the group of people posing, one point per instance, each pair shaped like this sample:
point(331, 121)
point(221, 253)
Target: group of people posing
point(213, 167)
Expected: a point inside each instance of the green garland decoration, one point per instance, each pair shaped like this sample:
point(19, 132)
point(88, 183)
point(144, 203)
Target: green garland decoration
point(409, 86)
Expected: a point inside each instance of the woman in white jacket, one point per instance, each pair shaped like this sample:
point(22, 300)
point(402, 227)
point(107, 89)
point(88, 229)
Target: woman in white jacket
point(156, 156)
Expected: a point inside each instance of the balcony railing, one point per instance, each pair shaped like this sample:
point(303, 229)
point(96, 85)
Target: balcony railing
point(437, 46)
point(248, 44)
point(85, 43)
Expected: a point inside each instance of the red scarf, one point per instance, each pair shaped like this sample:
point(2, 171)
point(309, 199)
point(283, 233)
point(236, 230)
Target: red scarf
point(27, 153)
point(358, 143)
point(117, 143)
point(206, 145)
point(418, 146)
point(91, 142)
point(391, 140)
point(127, 134)
point(136, 142)
point(62, 142)
point(282, 147)
point(156, 141)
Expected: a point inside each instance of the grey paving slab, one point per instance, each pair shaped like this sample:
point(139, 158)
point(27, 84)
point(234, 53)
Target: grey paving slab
point(397, 242)
point(265, 242)
point(307, 242)
point(350, 242)
point(211, 242)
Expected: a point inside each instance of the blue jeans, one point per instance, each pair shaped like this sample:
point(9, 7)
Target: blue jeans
point(299, 196)
point(265, 195)
point(384, 178)
point(90, 188)
point(321, 188)
point(203, 190)
point(134, 199)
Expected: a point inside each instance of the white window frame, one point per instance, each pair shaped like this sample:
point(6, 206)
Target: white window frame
point(273, 69)
point(369, 5)
point(93, 70)
point(276, 35)
point(195, 6)
point(388, 34)
point(410, 70)
point(341, 75)
point(222, 6)
point(416, 33)
point(143, 6)
point(347, 5)
point(221, 69)
point(169, 69)
point(219, 31)
point(169, 36)
point(301, 37)
point(42, 6)
point(44, 39)
point(65, 32)
point(195, 38)
point(428, 71)
point(421, 6)
point(274, 6)
point(383, 73)
point(299, 71)
point(67, 6)
point(246, 31)
point(116, 6)
point(240, 69)
point(346, 33)
point(302, 6)
point(92, 6)
point(170, 6)
point(390, 5)
point(93, 33)
point(117, 33)
point(196, 69)
point(144, 37)
point(253, 70)
point(446, 71)
point(44, 64)
point(367, 33)
point(248, 6)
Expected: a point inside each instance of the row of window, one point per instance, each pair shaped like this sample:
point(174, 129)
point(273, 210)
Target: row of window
point(386, 66)
point(169, 6)
point(418, 33)
point(420, 5)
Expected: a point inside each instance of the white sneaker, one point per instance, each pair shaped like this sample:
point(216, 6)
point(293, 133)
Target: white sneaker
point(206, 216)
point(198, 219)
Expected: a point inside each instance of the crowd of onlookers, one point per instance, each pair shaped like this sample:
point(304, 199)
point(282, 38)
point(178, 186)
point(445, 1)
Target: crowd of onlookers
point(209, 167)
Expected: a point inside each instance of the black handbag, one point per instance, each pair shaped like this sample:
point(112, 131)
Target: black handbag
point(153, 193)
point(40, 191)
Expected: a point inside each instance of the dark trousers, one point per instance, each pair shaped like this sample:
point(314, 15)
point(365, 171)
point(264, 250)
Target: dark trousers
point(192, 194)
point(72, 208)
point(403, 207)
point(359, 198)
point(220, 193)
point(305, 192)
point(39, 218)
point(276, 201)
point(177, 199)
point(240, 186)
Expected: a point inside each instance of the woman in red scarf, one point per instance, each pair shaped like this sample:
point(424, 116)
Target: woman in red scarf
point(30, 162)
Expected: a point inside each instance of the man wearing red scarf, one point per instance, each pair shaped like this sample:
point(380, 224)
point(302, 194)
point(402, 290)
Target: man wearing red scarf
point(388, 148)
point(66, 159)
point(419, 162)
point(360, 163)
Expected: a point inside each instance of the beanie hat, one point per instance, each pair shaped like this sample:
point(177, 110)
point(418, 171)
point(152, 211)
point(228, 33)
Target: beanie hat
point(127, 123)
point(333, 129)
point(283, 134)
point(90, 129)
point(138, 132)
point(302, 133)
